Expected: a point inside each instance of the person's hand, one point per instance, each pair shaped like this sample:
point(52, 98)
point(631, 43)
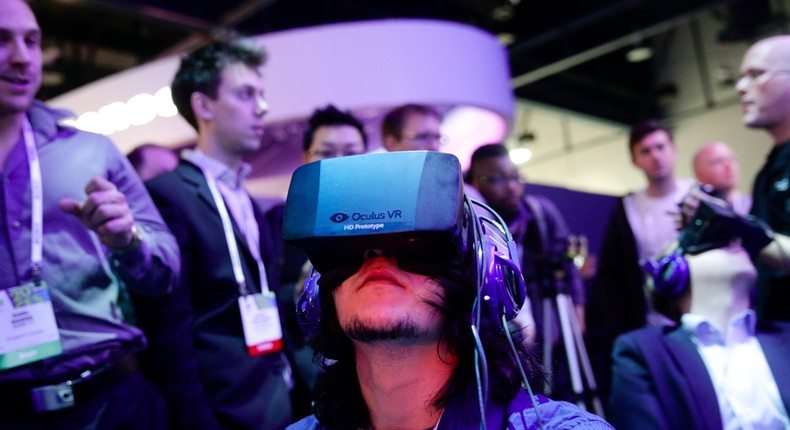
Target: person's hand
point(104, 211)
point(710, 222)
point(691, 203)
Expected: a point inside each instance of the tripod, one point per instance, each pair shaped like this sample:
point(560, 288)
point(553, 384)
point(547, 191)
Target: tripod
point(579, 366)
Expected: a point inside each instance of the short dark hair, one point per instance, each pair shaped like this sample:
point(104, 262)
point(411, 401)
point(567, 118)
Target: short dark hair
point(642, 129)
point(394, 121)
point(338, 398)
point(485, 152)
point(201, 70)
point(331, 116)
point(136, 157)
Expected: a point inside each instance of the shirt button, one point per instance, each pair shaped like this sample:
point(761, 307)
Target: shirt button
point(16, 225)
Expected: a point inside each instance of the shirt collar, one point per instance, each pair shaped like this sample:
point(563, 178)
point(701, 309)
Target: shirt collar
point(232, 178)
point(741, 328)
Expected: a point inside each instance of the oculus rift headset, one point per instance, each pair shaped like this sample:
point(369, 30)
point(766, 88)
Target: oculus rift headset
point(714, 225)
point(406, 204)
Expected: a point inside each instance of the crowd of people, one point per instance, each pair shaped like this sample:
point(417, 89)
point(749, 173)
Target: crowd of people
point(153, 292)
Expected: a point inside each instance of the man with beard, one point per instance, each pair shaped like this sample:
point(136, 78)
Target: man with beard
point(411, 308)
point(541, 236)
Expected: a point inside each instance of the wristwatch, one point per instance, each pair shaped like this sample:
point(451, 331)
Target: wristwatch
point(137, 239)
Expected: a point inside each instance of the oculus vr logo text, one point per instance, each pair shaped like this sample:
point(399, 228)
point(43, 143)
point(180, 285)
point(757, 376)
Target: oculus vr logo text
point(339, 217)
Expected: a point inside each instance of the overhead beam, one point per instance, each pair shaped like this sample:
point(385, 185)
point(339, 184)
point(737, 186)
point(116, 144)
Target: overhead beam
point(229, 20)
point(145, 12)
point(608, 47)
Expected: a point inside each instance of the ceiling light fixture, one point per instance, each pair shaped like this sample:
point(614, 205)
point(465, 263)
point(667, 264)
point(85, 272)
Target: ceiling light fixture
point(639, 53)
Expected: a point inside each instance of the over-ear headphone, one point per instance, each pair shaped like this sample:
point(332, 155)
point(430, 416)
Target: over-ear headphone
point(501, 289)
point(670, 274)
point(500, 284)
point(308, 308)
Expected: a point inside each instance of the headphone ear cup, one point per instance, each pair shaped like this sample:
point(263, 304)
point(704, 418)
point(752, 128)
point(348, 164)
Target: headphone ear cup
point(502, 289)
point(308, 308)
point(670, 275)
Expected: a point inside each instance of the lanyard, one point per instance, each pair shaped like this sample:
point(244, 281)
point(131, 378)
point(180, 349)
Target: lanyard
point(37, 198)
point(227, 227)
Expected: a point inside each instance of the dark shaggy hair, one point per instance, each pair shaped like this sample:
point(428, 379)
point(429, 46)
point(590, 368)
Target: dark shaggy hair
point(639, 131)
point(338, 398)
point(394, 121)
point(331, 116)
point(201, 70)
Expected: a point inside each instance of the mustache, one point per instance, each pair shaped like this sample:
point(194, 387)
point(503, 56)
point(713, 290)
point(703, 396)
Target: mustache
point(367, 332)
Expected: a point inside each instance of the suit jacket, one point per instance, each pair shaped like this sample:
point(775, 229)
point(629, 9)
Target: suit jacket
point(659, 380)
point(197, 354)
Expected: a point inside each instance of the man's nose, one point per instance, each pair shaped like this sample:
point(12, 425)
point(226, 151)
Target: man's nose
point(20, 52)
point(741, 84)
point(261, 106)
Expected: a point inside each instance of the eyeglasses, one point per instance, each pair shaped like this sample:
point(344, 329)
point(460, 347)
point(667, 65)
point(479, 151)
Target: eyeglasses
point(333, 153)
point(425, 139)
point(499, 179)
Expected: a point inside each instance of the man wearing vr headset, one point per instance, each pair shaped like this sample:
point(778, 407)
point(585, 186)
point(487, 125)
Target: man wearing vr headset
point(718, 367)
point(411, 306)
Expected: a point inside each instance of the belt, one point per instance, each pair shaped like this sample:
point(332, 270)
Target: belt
point(37, 397)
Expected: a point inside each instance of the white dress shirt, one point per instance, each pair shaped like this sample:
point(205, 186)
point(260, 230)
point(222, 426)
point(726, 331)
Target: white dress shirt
point(231, 186)
point(745, 387)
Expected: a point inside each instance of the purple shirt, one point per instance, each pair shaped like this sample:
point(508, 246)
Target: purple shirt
point(83, 276)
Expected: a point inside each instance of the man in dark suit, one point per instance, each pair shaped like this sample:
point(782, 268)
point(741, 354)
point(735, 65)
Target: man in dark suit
point(717, 368)
point(216, 345)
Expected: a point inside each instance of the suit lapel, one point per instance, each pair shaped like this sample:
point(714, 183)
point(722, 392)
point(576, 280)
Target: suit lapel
point(194, 176)
point(689, 361)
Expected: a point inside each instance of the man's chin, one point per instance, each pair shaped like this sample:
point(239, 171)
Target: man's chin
point(13, 107)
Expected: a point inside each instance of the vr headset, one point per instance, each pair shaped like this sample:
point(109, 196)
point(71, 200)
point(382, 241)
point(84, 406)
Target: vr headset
point(409, 205)
point(398, 202)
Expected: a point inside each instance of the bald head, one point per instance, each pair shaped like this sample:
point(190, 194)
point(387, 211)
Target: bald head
point(764, 87)
point(715, 164)
point(776, 49)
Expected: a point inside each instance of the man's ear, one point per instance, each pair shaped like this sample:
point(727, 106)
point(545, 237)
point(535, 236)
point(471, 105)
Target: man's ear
point(202, 106)
point(390, 142)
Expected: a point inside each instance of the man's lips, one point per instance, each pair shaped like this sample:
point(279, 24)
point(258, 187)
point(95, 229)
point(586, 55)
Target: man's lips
point(380, 275)
point(17, 82)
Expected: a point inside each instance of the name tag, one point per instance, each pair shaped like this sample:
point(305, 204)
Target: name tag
point(28, 331)
point(261, 323)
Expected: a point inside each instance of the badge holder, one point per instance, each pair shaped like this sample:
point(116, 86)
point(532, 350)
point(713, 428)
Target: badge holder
point(28, 330)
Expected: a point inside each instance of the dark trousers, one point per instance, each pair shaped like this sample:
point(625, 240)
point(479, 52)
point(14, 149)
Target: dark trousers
point(131, 404)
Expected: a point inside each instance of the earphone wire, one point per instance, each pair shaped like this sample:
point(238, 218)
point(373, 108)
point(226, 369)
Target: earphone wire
point(482, 265)
point(527, 386)
point(481, 364)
